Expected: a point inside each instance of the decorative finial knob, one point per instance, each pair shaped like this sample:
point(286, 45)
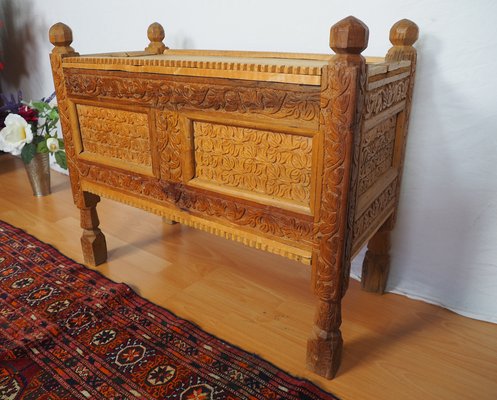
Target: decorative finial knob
point(156, 35)
point(155, 32)
point(350, 35)
point(60, 36)
point(404, 33)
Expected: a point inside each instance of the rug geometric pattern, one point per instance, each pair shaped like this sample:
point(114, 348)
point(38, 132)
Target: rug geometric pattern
point(67, 332)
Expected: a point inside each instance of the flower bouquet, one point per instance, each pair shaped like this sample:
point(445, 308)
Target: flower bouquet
point(30, 128)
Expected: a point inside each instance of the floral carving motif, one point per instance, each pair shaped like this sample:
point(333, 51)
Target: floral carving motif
point(271, 163)
point(378, 207)
point(267, 220)
point(354, 174)
point(122, 180)
point(338, 114)
point(119, 134)
point(63, 104)
point(397, 53)
point(293, 101)
point(385, 96)
point(260, 219)
point(376, 154)
point(171, 147)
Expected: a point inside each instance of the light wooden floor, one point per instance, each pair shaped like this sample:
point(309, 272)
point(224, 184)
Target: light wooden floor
point(395, 348)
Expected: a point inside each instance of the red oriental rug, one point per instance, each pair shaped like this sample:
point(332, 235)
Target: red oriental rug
point(67, 332)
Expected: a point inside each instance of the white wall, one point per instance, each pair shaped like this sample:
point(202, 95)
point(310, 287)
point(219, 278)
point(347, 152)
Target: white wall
point(445, 243)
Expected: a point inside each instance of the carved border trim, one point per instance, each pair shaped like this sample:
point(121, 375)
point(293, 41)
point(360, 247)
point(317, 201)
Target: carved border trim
point(259, 219)
point(266, 220)
point(163, 61)
point(248, 239)
point(64, 111)
point(175, 93)
point(337, 121)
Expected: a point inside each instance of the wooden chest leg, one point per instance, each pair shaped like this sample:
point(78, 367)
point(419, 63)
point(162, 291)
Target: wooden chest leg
point(376, 264)
point(342, 88)
point(93, 240)
point(324, 347)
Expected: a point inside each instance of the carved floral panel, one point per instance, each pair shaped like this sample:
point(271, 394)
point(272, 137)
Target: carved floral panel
point(116, 134)
point(384, 97)
point(275, 164)
point(376, 153)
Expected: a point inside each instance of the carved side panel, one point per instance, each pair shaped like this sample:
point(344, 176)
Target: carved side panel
point(174, 93)
point(376, 153)
point(270, 163)
point(384, 97)
point(116, 134)
point(378, 173)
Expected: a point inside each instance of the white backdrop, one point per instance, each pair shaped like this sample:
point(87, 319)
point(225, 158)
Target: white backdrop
point(445, 244)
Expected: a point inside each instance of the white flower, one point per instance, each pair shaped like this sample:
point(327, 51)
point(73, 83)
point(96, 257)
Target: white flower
point(53, 145)
point(15, 135)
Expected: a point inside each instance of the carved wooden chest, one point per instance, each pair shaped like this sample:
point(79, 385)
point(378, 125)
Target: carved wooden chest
point(296, 154)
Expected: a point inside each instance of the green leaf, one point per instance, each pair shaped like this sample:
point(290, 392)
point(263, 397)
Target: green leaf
point(60, 158)
point(28, 152)
point(42, 147)
point(39, 105)
point(53, 115)
point(61, 144)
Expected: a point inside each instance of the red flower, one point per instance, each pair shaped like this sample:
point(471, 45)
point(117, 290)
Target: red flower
point(29, 114)
point(1, 65)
